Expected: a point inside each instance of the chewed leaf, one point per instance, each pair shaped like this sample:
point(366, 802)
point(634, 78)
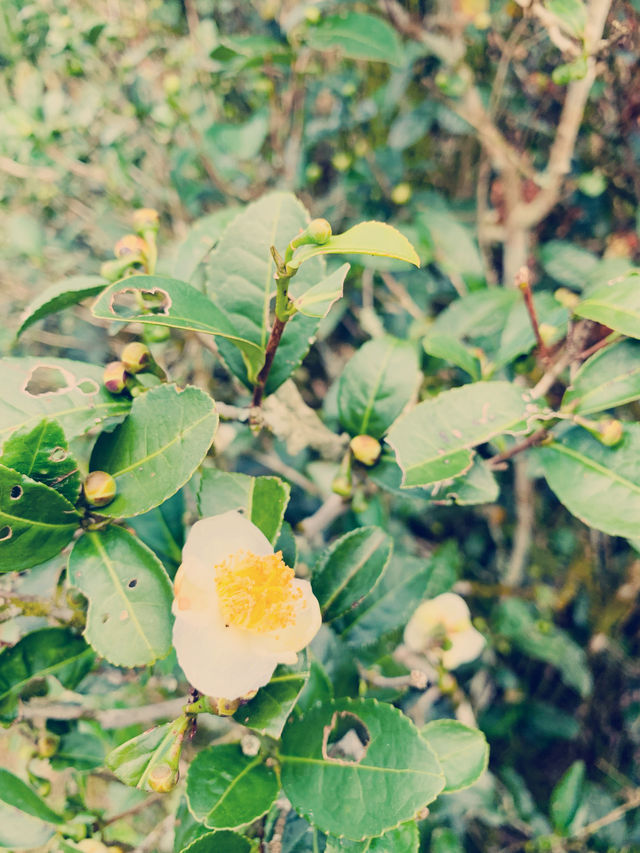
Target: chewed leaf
point(366, 238)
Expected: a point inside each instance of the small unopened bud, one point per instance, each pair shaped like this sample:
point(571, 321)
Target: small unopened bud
point(611, 432)
point(163, 778)
point(130, 245)
point(136, 357)
point(146, 219)
point(341, 485)
point(447, 683)
point(115, 377)
point(401, 193)
point(224, 707)
point(547, 333)
point(48, 744)
point(366, 449)
point(566, 297)
point(154, 333)
point(99, 488)
point(319, 231)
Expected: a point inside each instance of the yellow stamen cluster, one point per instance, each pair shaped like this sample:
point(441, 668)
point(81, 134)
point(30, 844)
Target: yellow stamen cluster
point(256, 593)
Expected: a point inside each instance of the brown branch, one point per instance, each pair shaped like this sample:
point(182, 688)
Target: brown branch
point(272, 345)
point(535, 438)
point(524, 284)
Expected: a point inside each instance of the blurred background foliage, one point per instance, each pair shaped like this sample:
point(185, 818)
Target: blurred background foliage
point(196, 107)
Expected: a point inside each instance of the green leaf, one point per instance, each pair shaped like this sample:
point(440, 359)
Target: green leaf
point(36, 522)
point(82, 750)
point(616, 305)
point(130, 596)
point(176, 304)
point(187, 829)
point(376, 385)
point(454, 249)
point(567, 796)
point(262, 499)
point(219, 842)
point(201, 238)
point(357, 36)
point(567, 263)
point(482, 313)
point(572, 15)
point(240, 280)
point(450, 348)
point(227, 789)
point(402, 839)
point(20, 831)
point(69, 391)
point(157, 449)
point(364, 792)
point(600, 485)
point(365, 238)
point(445, 840)
point(317, 300)
point(162, 530)
point(609, 378)
point(350, 569)
point(14, 792)
point(60, 295)
point(463, 752)
point(518, 336)
point(133, 761)
point(49, 651)
point(269, 710)
point(433, 441)
point(517, 621)
point(43, 454)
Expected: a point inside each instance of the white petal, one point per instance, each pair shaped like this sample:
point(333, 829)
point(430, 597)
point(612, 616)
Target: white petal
point(465, 647)
point(307, 624)
point(213, 539)
point(452, 608)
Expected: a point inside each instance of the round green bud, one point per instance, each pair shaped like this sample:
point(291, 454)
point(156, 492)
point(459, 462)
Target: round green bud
point(366, 449)
point(341, 161)
point(171, 84)
point(115, 377)
point(313, 173)
point(341, 485)
point(99, 488)
point(319, 231)
point(312, 14)
point(47, 744)
point(611, 432)
point(401, 193)
point(136, 357)
point(547, 333)
point(154, 333)
point(146, 219)
point(566, 297)
point(163, 778)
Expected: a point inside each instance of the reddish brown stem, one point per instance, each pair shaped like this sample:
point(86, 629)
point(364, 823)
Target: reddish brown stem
point(535, 438)
point(272, 345)
point(522, 281)
point(601, 344)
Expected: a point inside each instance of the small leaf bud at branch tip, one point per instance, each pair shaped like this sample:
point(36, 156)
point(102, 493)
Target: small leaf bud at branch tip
point(611, 432)
point(99, 488)
point(146, 219)
point(319, 230)
point(365, 449)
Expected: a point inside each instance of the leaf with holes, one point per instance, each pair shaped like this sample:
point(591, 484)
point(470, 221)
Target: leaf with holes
point(357, 36)
point(240, 280)
point(365, 238)
point(615, 304)
point(49, 651)
point(227, 789)
point(130, 596)
point(350, 569)
point(357, 768)
point(262, 499)
point(609, 378)
point(402, 839)
point(157, 449)
point(600, 485)
point(463, 752)
point(433, 441)
point(60, 295)
point(317, 300)
point(43, 454)
point(269, 710)
point(176, 304)
point(376, 385)
point(36, 522)
point(69, 391)
point(133, 761)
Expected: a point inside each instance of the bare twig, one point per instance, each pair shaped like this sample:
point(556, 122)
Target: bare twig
point(535, 438)
point(314, 526)
point(615, 814)
point(151, 843)
point(524, 283)
point(111, 718)
point(525, 518)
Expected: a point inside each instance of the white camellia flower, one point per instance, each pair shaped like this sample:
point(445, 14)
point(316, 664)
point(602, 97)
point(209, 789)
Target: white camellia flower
point(239, 610)
point(442, 628)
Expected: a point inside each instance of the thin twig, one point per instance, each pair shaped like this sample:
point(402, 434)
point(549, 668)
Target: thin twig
point(402, 295)
point(272, 345)
point(614, 815)
point(535, 438)
point(111, 718)
point(313, 526)
point(524, 284)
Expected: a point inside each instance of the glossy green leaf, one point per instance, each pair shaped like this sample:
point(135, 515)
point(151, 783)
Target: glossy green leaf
point(567, 263)
point(262, 499)
point(157, 449)
point(19, 831)
point(162, 530)
point(201, 238)
point(227, 789)
point(186, 828)
point(567, 796)
point(60, 295)
point(357, 36)
point(571, 13)
point(477, 314)
point(517, 621)
point(82, 750)
point(69, 391)
point(376, 385)
point(49, 651)
point(616, 304)
point(350, 569)
point(445, 840)
point(219, 842)
point(433, 441)
point(402, 839)
point(463, 752)
point(269, 710)
point(179, 305)
point(365, 238)
point(317, 300)
point(452, 244)
point(36, 522)
point(363, 793)
point(450, 348)
point(240, 280)
point(42, 453)
point(133, 761)
point(130, 596)
point(609, 378)
point(14, 792)
point(598, 484)
point(518, 336)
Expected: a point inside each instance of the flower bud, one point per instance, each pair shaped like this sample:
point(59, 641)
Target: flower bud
point(547, 333)
point(611, 432)
point(401, 193)
point(99, 488)
point(146, 219)
point(319, 231)
point(566, 297)
point(366, 449)
point(163, 778)
point(154, 333)
point(48, 744)
point(130, 245)
point(136, 357)
point(115, 377)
